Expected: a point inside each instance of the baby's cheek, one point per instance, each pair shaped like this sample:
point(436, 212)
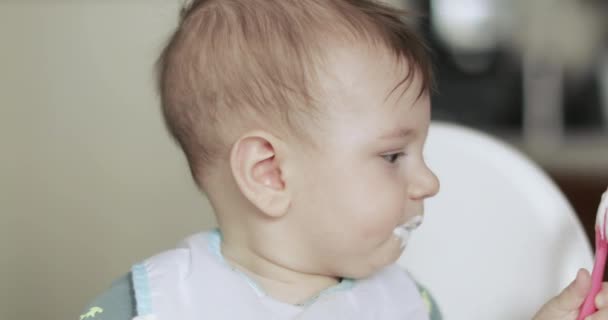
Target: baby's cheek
point(373, 208)
point(381, 220)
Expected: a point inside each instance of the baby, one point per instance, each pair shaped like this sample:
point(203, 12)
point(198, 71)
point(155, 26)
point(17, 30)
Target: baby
point(304, 123)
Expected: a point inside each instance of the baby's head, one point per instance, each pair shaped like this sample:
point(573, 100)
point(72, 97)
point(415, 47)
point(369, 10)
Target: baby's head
point(304, 123)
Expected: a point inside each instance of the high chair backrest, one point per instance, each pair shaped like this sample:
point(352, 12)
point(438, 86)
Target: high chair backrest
point(500, 238)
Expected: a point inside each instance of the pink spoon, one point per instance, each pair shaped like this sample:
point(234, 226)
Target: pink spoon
point(601, 251)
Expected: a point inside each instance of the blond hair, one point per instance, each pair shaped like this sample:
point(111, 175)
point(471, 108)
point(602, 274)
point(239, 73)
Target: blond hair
point(233, 61)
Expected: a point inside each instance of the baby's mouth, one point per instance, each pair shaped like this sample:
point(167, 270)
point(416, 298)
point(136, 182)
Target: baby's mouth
point(403, 231)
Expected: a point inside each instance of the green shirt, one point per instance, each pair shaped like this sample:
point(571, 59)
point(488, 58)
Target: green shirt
point(118, 302)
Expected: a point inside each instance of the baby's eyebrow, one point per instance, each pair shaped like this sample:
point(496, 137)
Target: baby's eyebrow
point(397, 133)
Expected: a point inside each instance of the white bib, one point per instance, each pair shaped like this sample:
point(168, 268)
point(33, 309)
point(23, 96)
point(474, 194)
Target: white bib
point(193, 282)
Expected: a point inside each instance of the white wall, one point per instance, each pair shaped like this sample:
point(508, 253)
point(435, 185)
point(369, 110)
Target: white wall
point(88, 175)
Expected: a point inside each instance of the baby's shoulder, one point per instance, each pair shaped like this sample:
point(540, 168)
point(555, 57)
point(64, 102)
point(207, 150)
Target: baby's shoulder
point(116, 303)
point(119, 303)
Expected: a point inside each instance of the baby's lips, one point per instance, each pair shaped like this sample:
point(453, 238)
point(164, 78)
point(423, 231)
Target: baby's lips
point(415, 222)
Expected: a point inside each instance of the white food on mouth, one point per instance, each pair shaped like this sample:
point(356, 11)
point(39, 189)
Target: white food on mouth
point(404, 231)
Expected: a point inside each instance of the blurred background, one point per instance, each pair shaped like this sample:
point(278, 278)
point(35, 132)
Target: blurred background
point(533, 73)
point(88, 175)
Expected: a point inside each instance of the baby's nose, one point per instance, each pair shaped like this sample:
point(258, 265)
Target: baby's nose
point(426, 184)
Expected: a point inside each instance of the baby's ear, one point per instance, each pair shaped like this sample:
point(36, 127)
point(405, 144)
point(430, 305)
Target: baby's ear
point(257, 171)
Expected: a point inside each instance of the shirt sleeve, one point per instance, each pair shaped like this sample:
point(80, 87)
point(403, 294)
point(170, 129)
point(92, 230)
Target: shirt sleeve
point(117, 303)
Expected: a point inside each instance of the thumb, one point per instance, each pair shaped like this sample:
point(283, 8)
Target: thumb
point(573, 296)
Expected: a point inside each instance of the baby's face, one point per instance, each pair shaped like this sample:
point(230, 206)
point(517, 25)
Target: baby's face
point(369, 176)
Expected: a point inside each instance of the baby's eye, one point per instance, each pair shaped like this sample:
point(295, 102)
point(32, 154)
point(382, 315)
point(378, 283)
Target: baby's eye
point(393, 157)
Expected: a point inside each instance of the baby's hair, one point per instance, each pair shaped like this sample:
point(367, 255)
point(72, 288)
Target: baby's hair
point(237, 63)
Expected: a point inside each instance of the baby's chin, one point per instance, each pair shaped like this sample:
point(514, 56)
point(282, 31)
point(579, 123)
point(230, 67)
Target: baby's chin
point(382, 258)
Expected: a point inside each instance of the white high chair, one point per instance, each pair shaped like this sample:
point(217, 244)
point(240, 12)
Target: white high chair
point(500, 238)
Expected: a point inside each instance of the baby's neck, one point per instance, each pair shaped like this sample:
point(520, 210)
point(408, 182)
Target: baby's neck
point(281, 283)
